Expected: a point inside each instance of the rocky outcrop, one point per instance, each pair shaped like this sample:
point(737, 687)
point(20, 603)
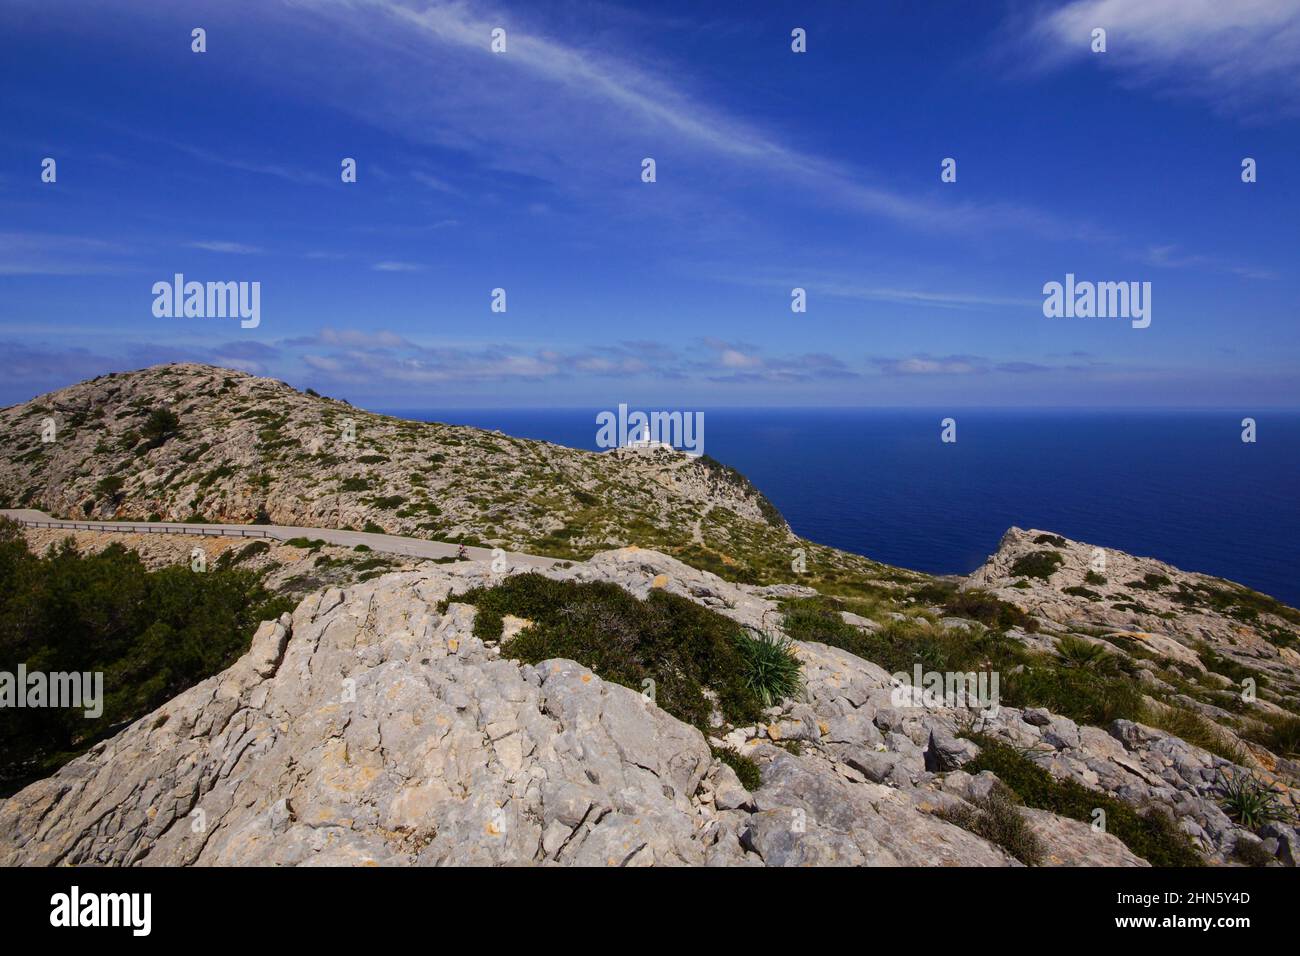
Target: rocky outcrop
point(1151, 611)
point(372, 728)
point(243, 448)
point(1078, 585)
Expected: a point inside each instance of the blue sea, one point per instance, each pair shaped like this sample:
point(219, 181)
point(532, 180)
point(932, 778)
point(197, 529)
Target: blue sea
point(1180, 486)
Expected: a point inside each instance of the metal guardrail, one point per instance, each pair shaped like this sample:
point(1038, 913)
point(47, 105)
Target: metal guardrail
point(147, 528)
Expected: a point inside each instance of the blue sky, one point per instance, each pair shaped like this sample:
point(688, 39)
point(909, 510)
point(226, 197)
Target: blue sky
point(521, 170)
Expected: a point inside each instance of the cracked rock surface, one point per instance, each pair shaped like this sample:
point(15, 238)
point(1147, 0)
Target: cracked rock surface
point(368, 727)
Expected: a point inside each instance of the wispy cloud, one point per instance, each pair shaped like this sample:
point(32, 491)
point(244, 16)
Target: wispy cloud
point(278, 170)
point(1171, 257)
point(55, 254)
point(516, 111)
point(392, 266)
point(232, 248)
point(823, 283)
point(922, 364)
point(1240, 55)
point(433, 182)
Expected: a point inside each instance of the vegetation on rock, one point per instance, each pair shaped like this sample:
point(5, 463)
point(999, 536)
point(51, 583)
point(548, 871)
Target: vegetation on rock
point(151, 633)
point(685, 652)
point(1152, 834)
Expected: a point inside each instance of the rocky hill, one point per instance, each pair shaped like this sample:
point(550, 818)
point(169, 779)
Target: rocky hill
point(189, 442)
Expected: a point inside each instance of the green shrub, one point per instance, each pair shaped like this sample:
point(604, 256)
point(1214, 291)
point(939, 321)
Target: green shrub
point(311, 544)
point(161, 425)
point(1037, 564)
point(233, 557)
point(354, 484)
point(988, 609)
point(1055, 540)
point(1085, 696)
point(221, 471)
point(110, 486)
point(1092, 577)
point(1152, 834)
point(900, 644)
point(1230, 668)
point(1079, 591)
point(152, 634)
point(746, 769)
point(1150, 582)
point(682, 647)
point(998, 819)
point(818, 619)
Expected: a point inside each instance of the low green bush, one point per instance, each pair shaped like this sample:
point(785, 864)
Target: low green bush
point(110, 486)
point(1037, 564)
point(989, 610)
point(683, 648)
point(900, 644)
point(236, 556)
point(998, 819)
point(161, 425)
point(746, 769)
point(1152, 834)
point(1086, 655)
point(1085, 696)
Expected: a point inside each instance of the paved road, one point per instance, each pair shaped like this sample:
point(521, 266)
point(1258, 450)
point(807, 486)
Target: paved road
point(385, 543)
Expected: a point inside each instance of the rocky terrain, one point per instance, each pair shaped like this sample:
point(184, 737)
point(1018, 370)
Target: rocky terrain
point(1146, 715)
point(1195, 641)
point(372, 726)
point(195, 442)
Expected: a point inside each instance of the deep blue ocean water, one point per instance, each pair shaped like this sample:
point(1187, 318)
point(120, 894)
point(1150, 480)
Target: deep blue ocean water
point(1180, 486)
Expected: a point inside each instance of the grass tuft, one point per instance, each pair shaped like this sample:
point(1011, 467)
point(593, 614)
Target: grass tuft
point(998, 819)
point(771, 670)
